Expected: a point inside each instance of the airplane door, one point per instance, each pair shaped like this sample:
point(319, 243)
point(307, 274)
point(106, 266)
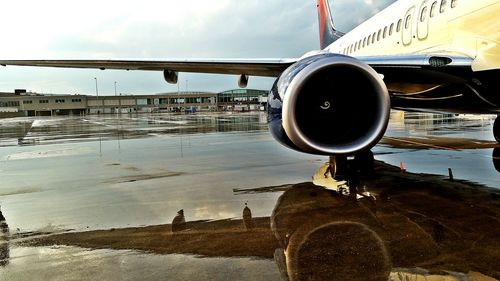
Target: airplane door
point(423, 21)
point(408, 26)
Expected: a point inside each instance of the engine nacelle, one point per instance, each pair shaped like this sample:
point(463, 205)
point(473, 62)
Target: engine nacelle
point(243, 81)
point(329, 104)
point(170, 76)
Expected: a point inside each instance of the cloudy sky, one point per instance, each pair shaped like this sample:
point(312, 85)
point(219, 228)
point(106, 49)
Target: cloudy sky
point(95, 29)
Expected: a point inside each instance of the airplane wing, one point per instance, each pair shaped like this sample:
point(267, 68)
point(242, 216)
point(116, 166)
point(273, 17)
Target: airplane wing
point(400, 72)
point(253, 67)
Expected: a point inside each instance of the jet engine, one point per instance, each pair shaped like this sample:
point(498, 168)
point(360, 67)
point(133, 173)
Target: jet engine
point(329, 104)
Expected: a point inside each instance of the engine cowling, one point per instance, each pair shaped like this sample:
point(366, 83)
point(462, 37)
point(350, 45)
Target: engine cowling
point(329, 104)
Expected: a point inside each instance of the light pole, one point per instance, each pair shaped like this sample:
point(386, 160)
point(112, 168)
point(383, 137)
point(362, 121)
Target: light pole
point(178, 96)
point(96, 89)
point(187, 93)
point(97, 94)
point(119, 102)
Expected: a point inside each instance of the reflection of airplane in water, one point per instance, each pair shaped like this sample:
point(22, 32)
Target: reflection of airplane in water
point(398, 224)
point(4, 241)
point(382, 224)
point(376, 222)
point(423, 55)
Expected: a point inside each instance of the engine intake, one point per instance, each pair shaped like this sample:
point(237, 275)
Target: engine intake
point(329, 104)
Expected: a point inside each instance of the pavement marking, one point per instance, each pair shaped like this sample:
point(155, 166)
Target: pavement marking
point(423, 144)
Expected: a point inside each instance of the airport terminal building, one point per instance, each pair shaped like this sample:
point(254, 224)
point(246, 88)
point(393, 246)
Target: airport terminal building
point(23, 103)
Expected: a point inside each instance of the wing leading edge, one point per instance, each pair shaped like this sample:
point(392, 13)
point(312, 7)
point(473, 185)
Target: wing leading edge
point(254, 67)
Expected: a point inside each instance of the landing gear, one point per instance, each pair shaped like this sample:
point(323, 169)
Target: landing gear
point(496, 129)
point(343, 168)
point(496, 158)
point(352, 170)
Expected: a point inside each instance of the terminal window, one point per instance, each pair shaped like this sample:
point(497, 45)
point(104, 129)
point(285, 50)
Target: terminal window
point(43, 101)
point(9, 103)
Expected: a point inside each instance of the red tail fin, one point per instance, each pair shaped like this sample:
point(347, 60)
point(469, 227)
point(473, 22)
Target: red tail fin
point(327, 33)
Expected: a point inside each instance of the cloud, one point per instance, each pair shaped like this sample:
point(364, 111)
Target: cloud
point(349, 14)
point(159, 29)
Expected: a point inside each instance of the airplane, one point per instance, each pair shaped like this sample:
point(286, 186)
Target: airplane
point(415, 55)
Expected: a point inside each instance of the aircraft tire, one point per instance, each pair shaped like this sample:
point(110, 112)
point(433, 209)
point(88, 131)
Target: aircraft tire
point(496, 159)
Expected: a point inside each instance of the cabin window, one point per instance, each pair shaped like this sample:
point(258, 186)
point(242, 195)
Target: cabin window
point(443, 6)
point(373, 37)
point(433, 9)
point(385, 32)
point(369, 39)
point(407, 21)
point(378, 34)
point(453, 3)
point(398, 29)
point(423, 14)
point(359, 45)
point(364, 42)
point(391, 28)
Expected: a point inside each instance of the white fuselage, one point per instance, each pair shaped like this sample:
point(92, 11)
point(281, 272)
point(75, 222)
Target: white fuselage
point(468, 28)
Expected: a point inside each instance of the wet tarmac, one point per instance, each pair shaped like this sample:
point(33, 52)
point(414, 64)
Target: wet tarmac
point(100, 198)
